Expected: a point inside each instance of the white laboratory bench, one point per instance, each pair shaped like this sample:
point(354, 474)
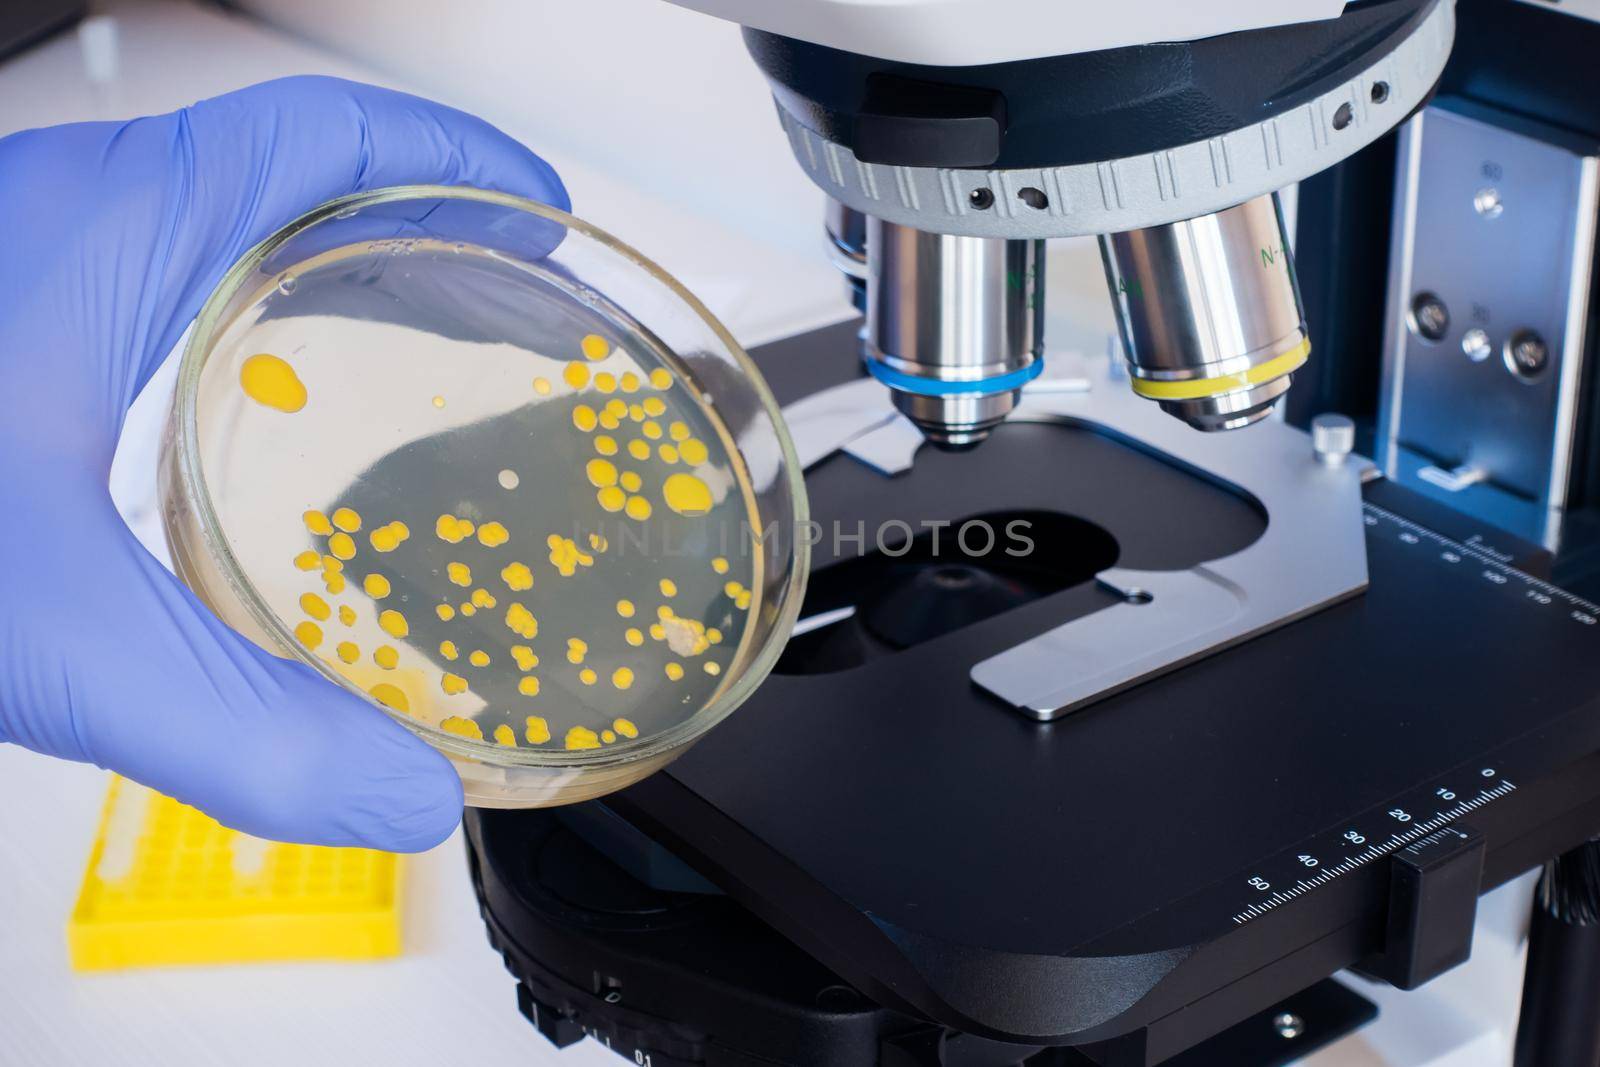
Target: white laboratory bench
point(447, 998)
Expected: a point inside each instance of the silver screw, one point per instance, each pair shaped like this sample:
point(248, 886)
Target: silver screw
point(1487, 203)
point(1333, 437)
point(1430, 318)
point(1526, 354)
point(1288, 1025)
point(1475, 343)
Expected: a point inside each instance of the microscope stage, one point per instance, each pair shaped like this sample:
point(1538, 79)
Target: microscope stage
point(1173, 857)
point(1049, 880)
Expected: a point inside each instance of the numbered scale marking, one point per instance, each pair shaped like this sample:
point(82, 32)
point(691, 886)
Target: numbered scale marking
point(1325, 873)
point(1536, 592)
point(1385, 831)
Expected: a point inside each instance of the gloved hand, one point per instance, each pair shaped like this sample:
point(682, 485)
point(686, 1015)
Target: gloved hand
point(111, 237)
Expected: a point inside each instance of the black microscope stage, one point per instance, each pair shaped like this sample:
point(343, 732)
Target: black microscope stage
point(876, 861)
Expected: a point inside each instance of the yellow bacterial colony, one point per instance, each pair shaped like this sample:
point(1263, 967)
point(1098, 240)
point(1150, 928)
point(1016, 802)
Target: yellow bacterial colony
point(517, 577)
point(390, 537)
point(636, 453)
point(390, 696)
point(272, 382)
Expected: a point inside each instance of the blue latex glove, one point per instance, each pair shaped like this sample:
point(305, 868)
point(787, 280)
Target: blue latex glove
point(111, 237)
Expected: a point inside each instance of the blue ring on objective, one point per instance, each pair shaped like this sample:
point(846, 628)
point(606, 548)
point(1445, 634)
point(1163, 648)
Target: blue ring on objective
point(911, 383)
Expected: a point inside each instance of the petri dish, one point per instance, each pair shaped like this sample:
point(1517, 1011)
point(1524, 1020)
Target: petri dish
point(495, 471)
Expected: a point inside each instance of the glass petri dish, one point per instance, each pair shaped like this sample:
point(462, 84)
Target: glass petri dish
point(495, 471)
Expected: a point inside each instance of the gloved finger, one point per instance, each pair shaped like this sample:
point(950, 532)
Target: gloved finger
point(387, 229)
point(122, 666)
point(160, 208)
point(476, 300)
point(258, 158)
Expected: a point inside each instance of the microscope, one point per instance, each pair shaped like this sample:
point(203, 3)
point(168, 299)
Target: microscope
point(947, 174)
point(1289, 678)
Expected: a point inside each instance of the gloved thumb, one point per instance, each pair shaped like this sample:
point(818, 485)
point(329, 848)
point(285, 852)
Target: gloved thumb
point(156, 687)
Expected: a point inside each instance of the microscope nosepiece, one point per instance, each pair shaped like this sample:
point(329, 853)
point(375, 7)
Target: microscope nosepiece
point(953, 327)
point(1209, 313)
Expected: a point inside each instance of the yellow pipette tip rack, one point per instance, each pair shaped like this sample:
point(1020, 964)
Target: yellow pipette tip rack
point(168, 885)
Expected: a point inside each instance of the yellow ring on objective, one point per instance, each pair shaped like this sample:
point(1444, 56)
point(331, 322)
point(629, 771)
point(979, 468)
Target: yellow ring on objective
point(1197, 388)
